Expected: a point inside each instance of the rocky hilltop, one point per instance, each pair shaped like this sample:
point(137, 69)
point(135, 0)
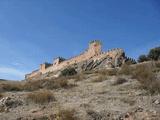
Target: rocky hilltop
point(95, 85)
point(92, 58)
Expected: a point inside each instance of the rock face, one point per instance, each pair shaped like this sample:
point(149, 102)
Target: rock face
point(104, 62)
point(111, 59)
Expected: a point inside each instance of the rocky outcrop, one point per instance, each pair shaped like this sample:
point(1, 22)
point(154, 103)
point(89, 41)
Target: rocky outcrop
point(7, 102)
point(90, 59)
point(104, 61)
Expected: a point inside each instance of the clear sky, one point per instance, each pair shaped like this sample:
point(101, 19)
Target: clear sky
point(35, 31)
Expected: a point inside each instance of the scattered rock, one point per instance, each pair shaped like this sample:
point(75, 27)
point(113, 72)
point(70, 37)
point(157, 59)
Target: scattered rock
point(34, 110)
point(156, 102)
point(7, 102)
point(94, 115)
point(139, 109)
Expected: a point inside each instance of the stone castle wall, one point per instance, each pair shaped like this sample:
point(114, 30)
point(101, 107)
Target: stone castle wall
point(32, 74)
point(94, 52)
point(94, 49)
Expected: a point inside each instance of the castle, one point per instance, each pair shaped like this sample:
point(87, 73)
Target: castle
point(93, 52)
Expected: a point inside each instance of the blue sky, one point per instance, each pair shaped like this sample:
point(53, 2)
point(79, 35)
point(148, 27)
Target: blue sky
point(35, 31)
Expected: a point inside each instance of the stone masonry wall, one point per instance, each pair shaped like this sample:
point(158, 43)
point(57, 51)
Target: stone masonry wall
point(94, 52)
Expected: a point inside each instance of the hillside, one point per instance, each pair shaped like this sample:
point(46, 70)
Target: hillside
point(113, 94)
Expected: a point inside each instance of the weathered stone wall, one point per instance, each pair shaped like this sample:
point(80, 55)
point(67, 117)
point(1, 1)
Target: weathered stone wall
point(94, 52)
point(33, 74)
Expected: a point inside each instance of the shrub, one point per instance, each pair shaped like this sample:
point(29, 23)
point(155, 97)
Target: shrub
point(128, 100)
point(129, 61)
point(112, 72)
point(88, 72)
point(54, 83)
point(157, 64)
point(100, 78)
point(125, 69)
point(68, 72)
point(79, 77)
point(109, 72)
point(33, 85)
point(147, 78)
point(11, 86)
point(96, 115)
point(119, 81)
point(142, 58)
point(41, 96)
point(66, 115)
point(154, 53)
point(1, 95)
point(61, 82)
point(143, 73)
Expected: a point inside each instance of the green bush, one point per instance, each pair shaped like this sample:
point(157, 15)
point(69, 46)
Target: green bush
point(143, 58)
point(154, 53)
point(68, 72)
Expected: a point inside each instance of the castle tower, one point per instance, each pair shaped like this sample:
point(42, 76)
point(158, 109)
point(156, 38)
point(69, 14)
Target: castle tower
point(95, 47)
point(44, 66)
point(58, 60)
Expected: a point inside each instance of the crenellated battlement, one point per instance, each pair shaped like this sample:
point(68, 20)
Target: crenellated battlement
point(94, 51)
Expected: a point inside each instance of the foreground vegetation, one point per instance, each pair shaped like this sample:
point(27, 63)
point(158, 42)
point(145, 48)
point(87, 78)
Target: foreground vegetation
point(145, 73)
point(154, 54)
point(41, 96)
point(87, 95)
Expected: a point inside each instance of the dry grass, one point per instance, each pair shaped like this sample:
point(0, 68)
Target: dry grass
point(157, 63)
point(88, 72)
point(157, 67)
point(100, 78)
point(108, 72)
point(125, 69)
point(32, 85)
point(11, 86)
point(147, 78)
point(103, 74)
point(1, 95)
point(41, 96)
point(61, 82)
point(129, 101)
point(96, 115)
point(66, 115)
point(79, 77)
point(119, 81)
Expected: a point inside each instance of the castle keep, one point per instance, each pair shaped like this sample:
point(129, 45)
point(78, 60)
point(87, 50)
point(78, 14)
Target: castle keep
point(114, 57)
